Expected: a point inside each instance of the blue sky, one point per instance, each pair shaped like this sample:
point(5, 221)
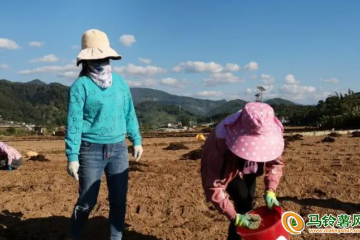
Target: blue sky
point(299, 50)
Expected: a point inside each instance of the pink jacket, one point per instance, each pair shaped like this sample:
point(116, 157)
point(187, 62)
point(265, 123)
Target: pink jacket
point(215, 153)
point(10, 152)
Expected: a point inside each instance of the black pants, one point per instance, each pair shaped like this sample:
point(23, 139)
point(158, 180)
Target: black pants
point(14, 164)
point(242, 193)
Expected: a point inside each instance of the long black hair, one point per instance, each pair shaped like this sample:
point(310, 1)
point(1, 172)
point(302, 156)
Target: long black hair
point(84, 69)
point(85, 66)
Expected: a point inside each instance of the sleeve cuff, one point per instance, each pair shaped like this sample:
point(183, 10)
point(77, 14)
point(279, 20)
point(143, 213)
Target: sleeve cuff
point(271, 185)
point(137, 142)
point(73, 158)
point(231, 214)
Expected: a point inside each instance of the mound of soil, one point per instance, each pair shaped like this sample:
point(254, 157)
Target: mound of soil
point(355, 134)
point(193, 155)
point(292, 138)
point(334, 134)
point(176, 146)
point(40, 158)
point(206, 130)
point(328, 140)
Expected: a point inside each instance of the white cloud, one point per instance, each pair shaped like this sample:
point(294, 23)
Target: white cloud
point(267, 79)
point(172, 82)
point(134, 70)
point(209, 94)
point(269, 88)
point(143, 83)
point(4, 66)
point(250, 91)
point(331, 80)
point(254, 77)
point(325, 95)
point(252, 66)
point(36, 44)
point(169, 81)
point(48, 59)
point(198, 67)
point(59, 70)
point(144, 60)
point(8, 44)
point(290, 79)
point(134, 83)
point(221, 78)
point(296, 92)
point(69, 74)
point(75, 47)
point(232, 67)
point(127, 40)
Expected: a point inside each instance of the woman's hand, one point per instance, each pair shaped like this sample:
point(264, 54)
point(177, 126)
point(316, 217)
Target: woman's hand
point(138, 151)
point(270, 199)
point(251, 221)
point(73, 168)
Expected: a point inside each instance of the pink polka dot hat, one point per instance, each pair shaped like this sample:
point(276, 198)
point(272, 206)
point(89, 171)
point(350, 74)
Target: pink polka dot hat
point(256, 135)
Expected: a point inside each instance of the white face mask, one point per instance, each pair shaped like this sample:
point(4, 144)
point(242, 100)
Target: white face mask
point(100, 72)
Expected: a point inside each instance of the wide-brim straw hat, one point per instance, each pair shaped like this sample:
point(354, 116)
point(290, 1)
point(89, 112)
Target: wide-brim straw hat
point(95, 45)
point(257, 134)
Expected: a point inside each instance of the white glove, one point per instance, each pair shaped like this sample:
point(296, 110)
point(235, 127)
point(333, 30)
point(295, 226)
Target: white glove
point(73, 168)
point(138, 151)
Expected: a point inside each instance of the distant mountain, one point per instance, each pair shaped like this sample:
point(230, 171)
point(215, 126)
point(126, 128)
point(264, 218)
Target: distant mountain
point(46, 104)
point(152, 114)
point(36, 82)
point(279, 101)
point(192, 105)
point(33, 102)
point(228, 107)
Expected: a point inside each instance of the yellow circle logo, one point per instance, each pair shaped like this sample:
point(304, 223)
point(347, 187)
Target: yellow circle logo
point(293, 222)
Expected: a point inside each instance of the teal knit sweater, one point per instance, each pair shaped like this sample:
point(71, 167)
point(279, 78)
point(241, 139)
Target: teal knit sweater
point(97, 115)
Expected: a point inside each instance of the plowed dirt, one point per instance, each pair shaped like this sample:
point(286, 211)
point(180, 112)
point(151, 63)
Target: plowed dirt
point(165, 199)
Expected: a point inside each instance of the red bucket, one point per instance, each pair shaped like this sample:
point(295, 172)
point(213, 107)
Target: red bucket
point(271, 227)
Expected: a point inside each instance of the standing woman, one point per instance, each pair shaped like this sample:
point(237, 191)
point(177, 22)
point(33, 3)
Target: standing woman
point(100, 115)
point(243, 147)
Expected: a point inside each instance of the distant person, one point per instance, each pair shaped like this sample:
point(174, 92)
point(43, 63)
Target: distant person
point(234, 155)
point(10, 158)
point(100, 115)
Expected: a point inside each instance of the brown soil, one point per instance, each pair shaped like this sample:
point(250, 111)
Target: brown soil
point(207, 130)
point(39, 157)
point(165, 199)
point(328, 140)
point(292, 138)
point(193, 155)
point(334, 134)
point(355, 134)
point(176, 146)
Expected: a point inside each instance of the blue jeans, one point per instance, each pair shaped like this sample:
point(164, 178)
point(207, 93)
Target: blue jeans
point(93, 160)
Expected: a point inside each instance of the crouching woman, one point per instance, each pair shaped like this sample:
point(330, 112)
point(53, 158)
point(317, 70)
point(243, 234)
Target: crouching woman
point(10, 158)
point(234, 155)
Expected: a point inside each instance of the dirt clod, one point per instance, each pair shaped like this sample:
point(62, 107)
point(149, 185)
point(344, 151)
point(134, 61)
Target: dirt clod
point(40, 158)
point(355, 134)
point(292, 138)
point(176, 146)
point(328, 140)
point(206, 130)
point(193, 155)
point(334, 134)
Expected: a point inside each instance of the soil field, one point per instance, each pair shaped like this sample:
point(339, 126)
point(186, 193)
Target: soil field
point(165, 199)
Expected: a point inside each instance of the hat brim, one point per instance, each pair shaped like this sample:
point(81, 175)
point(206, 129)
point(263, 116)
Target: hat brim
point(97, 53)
point(255, 147)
